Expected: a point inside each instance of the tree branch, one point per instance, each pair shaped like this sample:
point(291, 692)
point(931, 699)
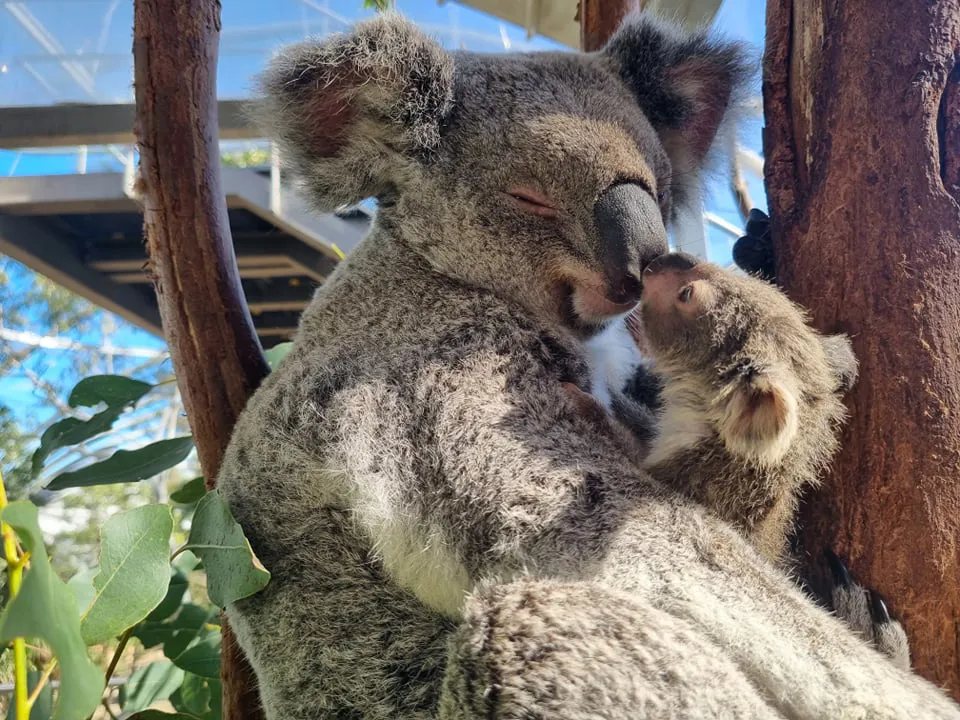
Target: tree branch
point(215, 351)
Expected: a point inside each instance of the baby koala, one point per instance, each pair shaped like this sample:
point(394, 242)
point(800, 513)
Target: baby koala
point(739, 410)
point(749, 404)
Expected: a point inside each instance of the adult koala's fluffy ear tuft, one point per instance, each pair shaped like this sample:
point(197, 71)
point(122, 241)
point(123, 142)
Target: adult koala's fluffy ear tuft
point(687, 85)
point(355, 113)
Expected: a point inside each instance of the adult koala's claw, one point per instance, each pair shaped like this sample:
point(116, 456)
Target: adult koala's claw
point(753, 253)
point(866, 612)
point(878, 608)
point(841, 575)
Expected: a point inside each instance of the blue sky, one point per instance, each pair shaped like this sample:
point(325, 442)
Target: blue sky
point(251, 29)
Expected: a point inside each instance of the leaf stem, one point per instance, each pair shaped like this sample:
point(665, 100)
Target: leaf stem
point(118, 652)
point(182, 549)
point(15, 569)
point(40, 683)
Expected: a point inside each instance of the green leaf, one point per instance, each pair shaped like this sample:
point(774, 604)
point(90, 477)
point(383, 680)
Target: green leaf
point(160, 715)
point(114, 390)
point(189, 492)
point(171, 602)
point(134, 571)
point(277, 353)
point(150, 634)
point(199, 697)
point(150, 684)
point(187, 627)
point(202, 657)
point(186, 562)
point(71, 431)
point(128, 465)
point(43, 706)
point(193, 696)
point(233, 571)
point(45, 608)
point(81, 585)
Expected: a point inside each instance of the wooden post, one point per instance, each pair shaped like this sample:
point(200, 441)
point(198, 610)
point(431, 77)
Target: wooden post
point(599, 19)
point(862, 148)
point(216, 354)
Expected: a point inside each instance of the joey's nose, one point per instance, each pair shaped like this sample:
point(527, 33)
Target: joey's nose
point(678, 262)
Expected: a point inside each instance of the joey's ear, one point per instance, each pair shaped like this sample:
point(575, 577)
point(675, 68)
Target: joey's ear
point(758, 415)
point(355, 113)
point(842, 361)
point(686, 83)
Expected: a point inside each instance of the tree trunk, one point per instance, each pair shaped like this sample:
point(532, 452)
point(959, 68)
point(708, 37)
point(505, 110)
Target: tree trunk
point(862, 148)
point(216, 354)
point(599, 19)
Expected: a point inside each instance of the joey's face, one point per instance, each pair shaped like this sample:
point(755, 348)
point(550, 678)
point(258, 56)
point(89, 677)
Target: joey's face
point(744, 348)
point(705, 317)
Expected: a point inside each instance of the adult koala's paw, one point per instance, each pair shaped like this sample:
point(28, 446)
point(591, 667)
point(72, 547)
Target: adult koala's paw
point(867, 614)
point(753, 253)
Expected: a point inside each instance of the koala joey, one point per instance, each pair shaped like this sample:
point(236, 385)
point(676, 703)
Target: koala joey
point(447, 535)
point(741, 410)
point(751, 394)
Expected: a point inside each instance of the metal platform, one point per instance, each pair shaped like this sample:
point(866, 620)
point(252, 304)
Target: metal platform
point(86, 233)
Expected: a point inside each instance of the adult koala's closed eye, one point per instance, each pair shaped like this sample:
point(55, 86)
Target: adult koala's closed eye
point(446, 535)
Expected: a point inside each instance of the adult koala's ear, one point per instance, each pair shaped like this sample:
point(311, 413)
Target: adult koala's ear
point(842, 361)
point(686, 84)
point(356, 113)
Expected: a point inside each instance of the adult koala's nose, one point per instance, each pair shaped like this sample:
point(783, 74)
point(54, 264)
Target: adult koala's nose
point(631, 235)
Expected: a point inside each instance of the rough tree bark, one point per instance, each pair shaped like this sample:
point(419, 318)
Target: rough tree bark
point(862, 148)
point(216, 354)
point(600, 18)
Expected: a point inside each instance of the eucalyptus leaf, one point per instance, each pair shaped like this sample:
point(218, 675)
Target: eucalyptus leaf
point(186, 562)
point(189, 492)
point(45, 608)
point(113, 390)
point(186, 628)
point(81, 585)
point(199, 697)
point(71, 431)
point(160, 715)
point(42, 708)
point(171, 601)
point(134, 571)
point(150, 684)
point(202, 657)
point(128, 465)
point(193, 696)
point(233, 571)
point(116, 391)
point(174, 633)
point(277, 353)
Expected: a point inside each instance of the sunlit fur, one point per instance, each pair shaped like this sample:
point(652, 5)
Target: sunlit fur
point(447, 535)
point(752, 401)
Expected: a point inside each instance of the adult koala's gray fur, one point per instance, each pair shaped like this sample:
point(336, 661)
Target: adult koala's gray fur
point(447, 535)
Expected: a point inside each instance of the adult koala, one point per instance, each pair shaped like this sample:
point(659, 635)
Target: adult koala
point(448, 536)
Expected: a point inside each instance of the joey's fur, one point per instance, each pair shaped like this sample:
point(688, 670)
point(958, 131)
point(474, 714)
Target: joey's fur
point(739, 410)
point(447, 535)
point(761, 389)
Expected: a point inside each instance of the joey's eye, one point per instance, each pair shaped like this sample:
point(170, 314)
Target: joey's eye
point(686, 294)
point(533, 202)
point(661, 196)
